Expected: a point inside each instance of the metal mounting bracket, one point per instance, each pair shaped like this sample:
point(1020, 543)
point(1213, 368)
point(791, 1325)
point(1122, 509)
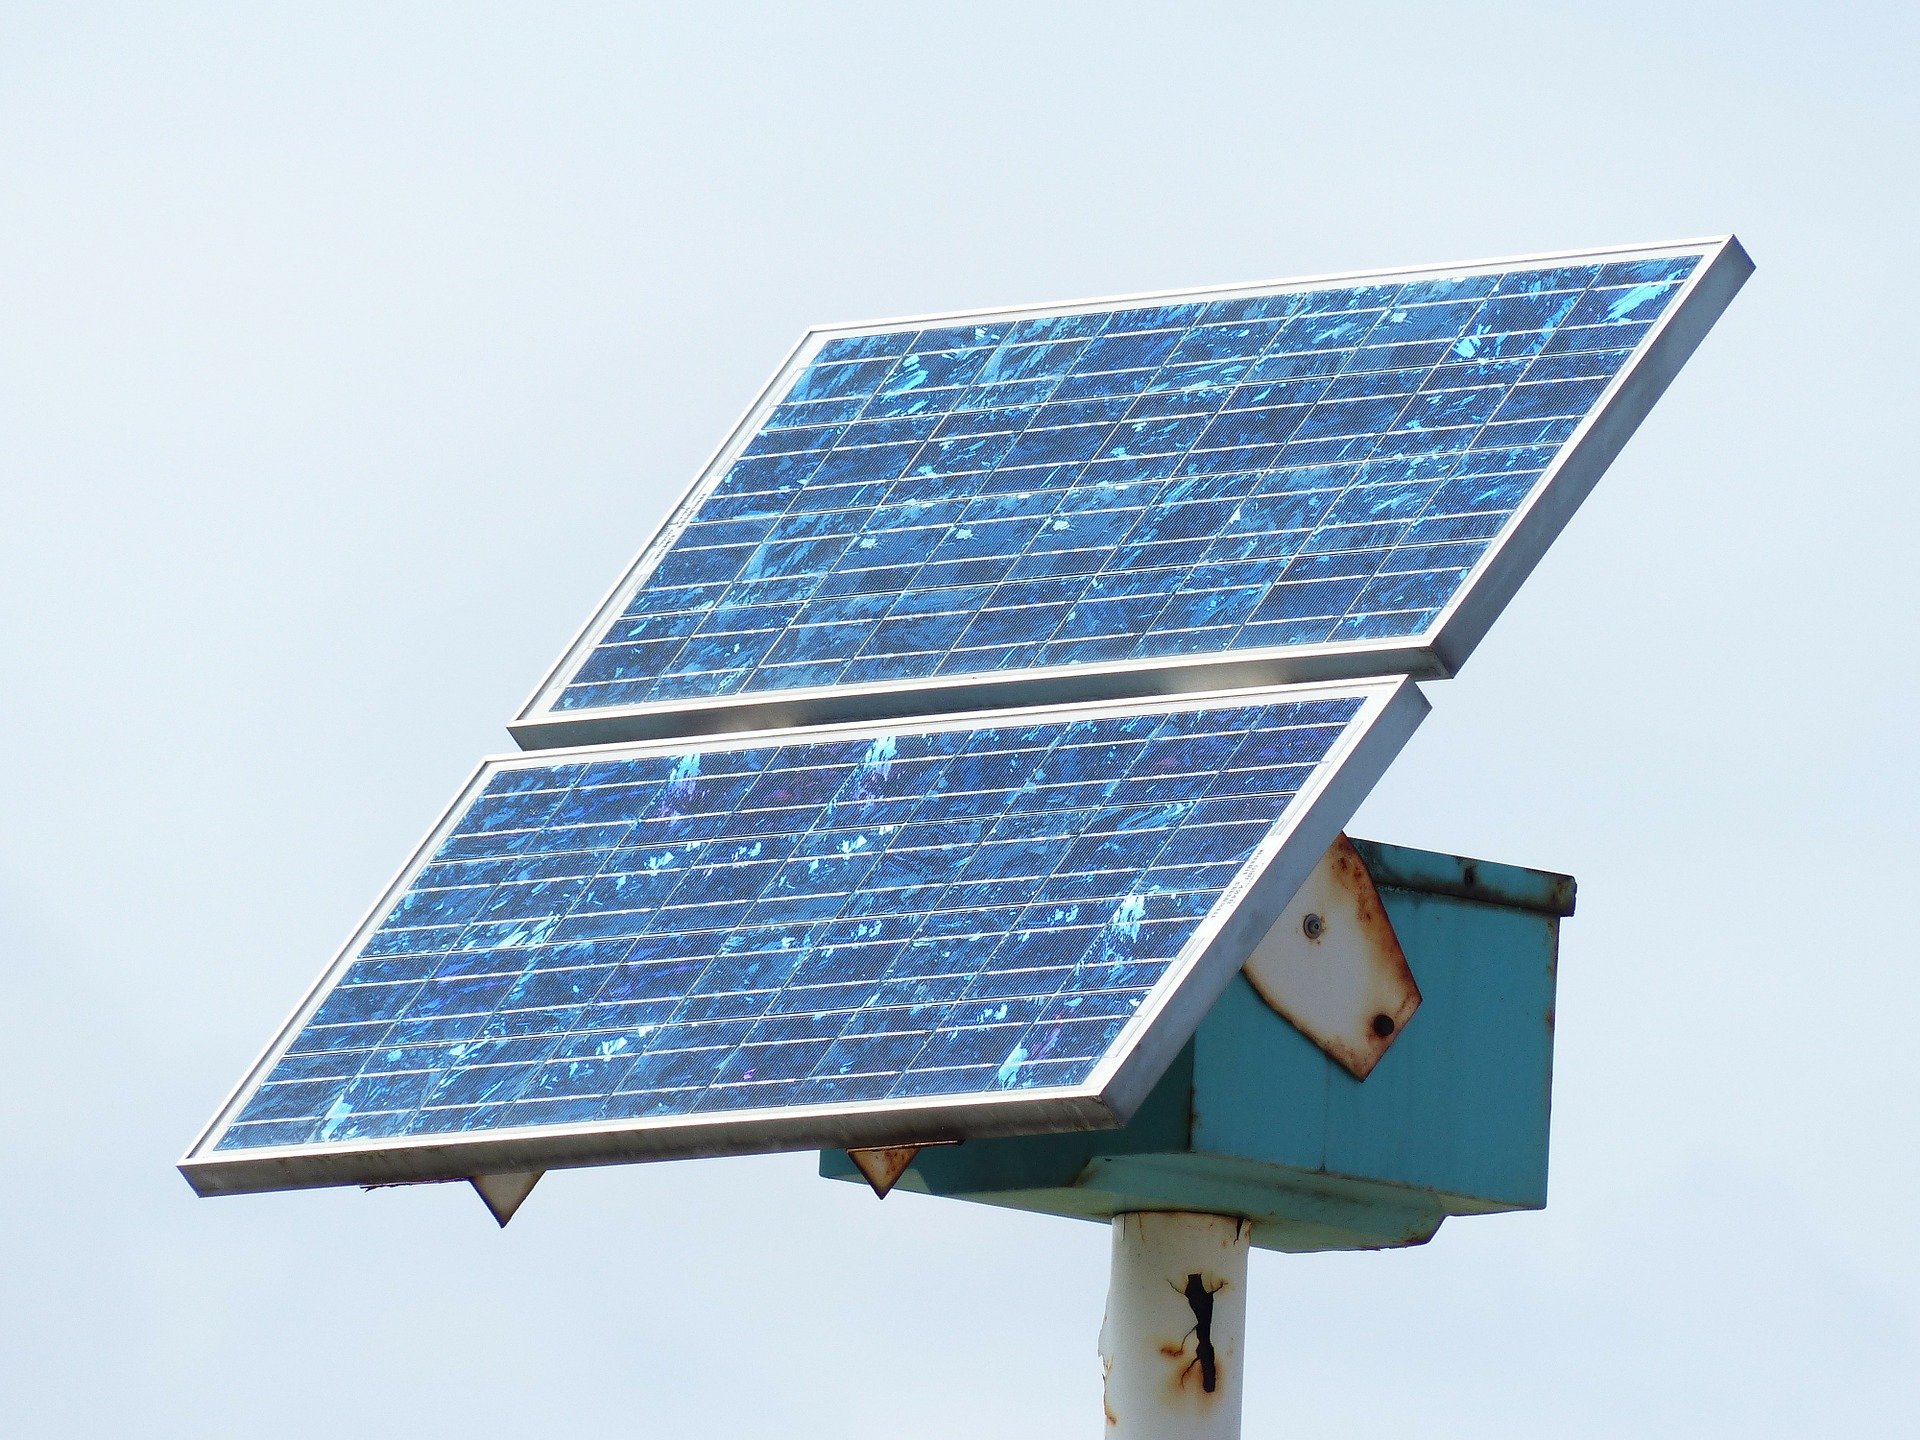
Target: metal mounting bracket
point(504, 1194)
point(883, 1165)
point(1332, 965)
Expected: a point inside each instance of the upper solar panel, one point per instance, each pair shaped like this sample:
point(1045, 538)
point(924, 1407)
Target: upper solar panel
point(861, 935)
point(1295, 481)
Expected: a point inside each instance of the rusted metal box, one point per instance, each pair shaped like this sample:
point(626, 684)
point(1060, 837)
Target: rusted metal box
point(1252, 1120)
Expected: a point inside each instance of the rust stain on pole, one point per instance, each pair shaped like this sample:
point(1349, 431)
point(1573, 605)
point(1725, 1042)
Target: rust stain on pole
point(1175, 1326)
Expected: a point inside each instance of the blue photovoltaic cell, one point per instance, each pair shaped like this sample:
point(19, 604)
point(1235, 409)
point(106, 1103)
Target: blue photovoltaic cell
point(1126, 484)
point(828, 922)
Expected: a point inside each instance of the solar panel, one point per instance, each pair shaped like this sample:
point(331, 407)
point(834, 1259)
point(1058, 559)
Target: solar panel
point(835, 921)
point(994, 924)
point(1297, 481)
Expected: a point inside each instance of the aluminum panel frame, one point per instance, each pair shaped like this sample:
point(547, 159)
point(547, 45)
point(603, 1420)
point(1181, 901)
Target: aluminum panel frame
point(1437, 654)
point(1488, 587)
point(1390, 711)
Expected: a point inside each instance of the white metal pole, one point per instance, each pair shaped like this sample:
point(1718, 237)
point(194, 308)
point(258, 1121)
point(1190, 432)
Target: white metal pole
point(1175, 1328)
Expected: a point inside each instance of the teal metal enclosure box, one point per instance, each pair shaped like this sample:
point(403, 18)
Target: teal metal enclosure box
point(1253, 1120)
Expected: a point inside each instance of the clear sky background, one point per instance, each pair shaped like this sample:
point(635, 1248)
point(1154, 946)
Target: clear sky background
point(348, 353)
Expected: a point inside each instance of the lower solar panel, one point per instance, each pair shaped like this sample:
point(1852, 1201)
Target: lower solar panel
point(1002, 924)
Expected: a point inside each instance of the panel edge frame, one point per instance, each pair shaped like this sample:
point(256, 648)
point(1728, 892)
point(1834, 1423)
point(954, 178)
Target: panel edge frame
point(1586, 455)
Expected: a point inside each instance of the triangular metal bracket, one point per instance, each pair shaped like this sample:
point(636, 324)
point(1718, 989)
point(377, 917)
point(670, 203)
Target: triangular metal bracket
point(1332, 965)
point(883, 1165)
point(504, 1194)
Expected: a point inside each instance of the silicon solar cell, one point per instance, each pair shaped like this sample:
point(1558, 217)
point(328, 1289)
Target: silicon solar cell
point(997, 924)
point(1307, 478)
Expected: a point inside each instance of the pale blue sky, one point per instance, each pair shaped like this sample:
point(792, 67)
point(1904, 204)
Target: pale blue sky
point(347, 355)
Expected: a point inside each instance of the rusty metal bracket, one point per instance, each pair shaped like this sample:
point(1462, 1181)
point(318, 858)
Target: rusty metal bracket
point(1333, 967)
point(504, 1194)
point(883, 1165)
